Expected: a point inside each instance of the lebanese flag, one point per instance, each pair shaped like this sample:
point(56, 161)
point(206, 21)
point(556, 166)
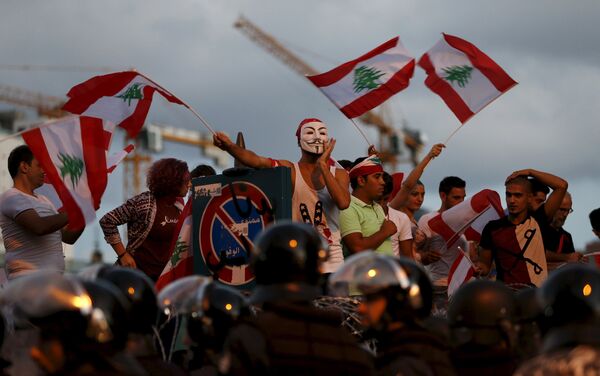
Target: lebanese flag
point(124, 98)
point(364, 83)
point(461, 272)
point(465, 78)
point(72, 153)
point(468, 218)
point(181, 263)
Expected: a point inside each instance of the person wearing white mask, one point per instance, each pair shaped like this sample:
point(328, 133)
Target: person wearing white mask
point(319, 185)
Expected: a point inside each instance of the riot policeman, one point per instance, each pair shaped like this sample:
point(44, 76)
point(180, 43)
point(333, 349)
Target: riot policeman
point(290, 336)
point(482, 318)
point(397, 298)
point(570, 304)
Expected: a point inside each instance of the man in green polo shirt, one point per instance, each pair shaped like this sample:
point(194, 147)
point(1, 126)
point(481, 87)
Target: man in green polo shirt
point(363, 224)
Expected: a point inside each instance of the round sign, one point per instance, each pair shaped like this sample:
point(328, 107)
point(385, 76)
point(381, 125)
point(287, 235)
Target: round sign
point(228, 226)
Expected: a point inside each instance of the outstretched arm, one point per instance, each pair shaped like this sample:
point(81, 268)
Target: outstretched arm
point(559, 188)
point(247, 157)
point(337, 185)
point(399, 200)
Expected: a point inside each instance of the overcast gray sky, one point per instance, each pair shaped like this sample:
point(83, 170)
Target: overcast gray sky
point(548, 122)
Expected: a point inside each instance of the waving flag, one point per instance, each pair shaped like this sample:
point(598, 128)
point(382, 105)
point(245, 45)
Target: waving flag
point(123, 98)
point(361, 84)
point(469, 217)
point(72, 153)
point(461, 272)
point(181, 263)
point(465, 78)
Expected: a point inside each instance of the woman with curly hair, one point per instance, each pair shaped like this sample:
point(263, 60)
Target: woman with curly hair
point(151, 218)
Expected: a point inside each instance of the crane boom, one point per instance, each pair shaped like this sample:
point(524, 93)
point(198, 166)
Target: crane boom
point(46, 105)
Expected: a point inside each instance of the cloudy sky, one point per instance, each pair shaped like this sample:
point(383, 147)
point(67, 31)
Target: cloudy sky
point(548, 122)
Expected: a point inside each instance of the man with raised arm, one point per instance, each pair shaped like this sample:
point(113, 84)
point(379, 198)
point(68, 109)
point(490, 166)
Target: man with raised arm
point(320, 190)
point(515, 241)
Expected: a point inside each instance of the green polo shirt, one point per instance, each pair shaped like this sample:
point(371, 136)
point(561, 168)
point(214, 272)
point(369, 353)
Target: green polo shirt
point(366, 219)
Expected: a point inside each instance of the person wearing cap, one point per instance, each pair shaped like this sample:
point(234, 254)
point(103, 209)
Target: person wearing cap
point(320, 188)
point(364, 225)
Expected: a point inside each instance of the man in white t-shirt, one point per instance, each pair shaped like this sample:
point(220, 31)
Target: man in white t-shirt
point(434, 255)
point(32, 229)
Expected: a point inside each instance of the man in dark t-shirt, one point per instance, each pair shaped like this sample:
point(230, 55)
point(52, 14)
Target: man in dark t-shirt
point(515, 242)
point(558, 242)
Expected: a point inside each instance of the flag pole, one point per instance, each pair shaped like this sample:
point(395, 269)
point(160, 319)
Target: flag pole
point(204, 122)
point(452, 134)
point(361, 132)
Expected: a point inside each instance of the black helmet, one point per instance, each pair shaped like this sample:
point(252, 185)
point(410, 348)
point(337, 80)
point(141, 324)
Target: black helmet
point(221, 307)
point(138, 288)
point(109, 319)
point(483, 313)
point(403, 283)
point(288, 252)
point(571, 294)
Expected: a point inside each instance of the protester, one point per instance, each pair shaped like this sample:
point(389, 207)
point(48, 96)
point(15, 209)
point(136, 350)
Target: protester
point(436, 257)
point(319, 188)
point(290, 336)
point(540, 192)
point(364, 225)
point(151, 218)
point(396, 299)
point(515, 241)
point(557, 241)
point(595, 222)
point(32, 229)
point(402, 239)
point(411, 195)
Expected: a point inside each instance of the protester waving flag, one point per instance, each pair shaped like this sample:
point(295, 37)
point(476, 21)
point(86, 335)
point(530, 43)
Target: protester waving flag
point(361, 84)
point(181, 263)
point(72, 153)
point(465, 78)
point(468, 218)
point(123, 98)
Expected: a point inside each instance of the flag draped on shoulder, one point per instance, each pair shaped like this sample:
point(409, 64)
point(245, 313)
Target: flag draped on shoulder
point(461, 272)
point(181, 263)
point(72, 153)
point(465, 77)
point(468, 218)
point(361, 84)
point(123, 98)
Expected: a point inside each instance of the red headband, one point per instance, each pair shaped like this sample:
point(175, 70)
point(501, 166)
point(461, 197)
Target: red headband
point(304, 122)
point(365, 170)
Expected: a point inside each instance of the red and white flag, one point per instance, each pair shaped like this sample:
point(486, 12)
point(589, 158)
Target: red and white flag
point(465, 78)
point(123, 98)
point(181, 263)
point(364, 83)
point(468, 218)
point(461, 272)
point(72, 153)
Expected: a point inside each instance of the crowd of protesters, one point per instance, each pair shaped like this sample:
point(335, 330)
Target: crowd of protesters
point(355, 283)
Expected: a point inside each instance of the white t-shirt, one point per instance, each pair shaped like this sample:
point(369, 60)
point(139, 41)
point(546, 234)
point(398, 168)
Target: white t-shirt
point(25, 251)
point(438, 271)
point(403, 232)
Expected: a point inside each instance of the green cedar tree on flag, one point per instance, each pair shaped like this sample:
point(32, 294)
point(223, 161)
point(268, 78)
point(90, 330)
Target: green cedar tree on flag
point(123, 98)
point(364, 83)
point(181, 262)
point(72, 153)
point(465, 78)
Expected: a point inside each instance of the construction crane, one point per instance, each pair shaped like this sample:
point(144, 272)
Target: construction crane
point(385, 130)
point(45, 105)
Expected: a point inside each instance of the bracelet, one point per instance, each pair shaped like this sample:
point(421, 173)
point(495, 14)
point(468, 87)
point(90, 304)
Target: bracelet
point(121, 255)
